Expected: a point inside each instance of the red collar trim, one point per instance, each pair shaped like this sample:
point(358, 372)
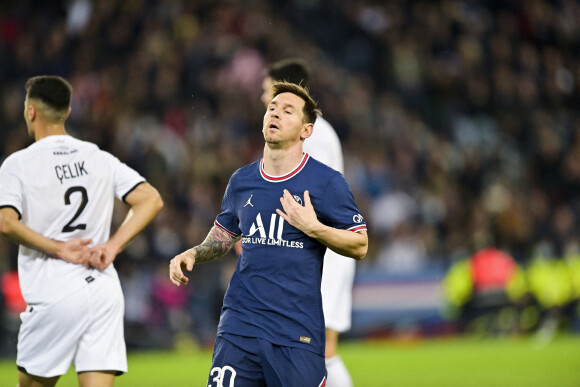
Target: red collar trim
point(277, 179)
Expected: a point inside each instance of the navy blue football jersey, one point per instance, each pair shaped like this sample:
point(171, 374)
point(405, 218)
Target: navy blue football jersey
point(274, 293)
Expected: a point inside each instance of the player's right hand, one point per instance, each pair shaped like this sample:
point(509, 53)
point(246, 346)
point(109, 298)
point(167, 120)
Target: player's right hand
point(177, 265)
point(75, 251)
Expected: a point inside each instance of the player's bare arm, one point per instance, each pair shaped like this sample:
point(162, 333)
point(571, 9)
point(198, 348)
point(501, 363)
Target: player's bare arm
point(216, 245)
point(145, 203)
point(74, 250)
point(348, 243)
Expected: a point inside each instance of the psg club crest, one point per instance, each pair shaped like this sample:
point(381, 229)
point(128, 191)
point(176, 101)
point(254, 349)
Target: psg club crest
point(298, 200)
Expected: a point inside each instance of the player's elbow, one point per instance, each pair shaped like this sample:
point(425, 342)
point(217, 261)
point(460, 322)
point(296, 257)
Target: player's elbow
point(6, 225)
point(158, 203)
point(362, 247)
point(154, 200)
point(356, 250)
point(361, 252)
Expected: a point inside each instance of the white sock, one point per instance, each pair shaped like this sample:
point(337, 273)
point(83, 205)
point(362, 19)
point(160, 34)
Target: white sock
point(338, 375)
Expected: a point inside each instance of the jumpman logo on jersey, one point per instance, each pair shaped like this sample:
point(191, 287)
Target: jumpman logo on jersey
point(249, 201)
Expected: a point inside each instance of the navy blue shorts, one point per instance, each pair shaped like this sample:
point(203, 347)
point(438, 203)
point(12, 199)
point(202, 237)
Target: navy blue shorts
point(248, 361)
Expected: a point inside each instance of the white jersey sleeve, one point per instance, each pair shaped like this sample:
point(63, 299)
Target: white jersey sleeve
point(10, 186)
point(63, 188)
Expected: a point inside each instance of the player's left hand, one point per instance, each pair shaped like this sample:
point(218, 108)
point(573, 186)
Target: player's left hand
point(302, 217)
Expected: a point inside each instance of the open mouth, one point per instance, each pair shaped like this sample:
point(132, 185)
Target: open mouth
point(273, 126)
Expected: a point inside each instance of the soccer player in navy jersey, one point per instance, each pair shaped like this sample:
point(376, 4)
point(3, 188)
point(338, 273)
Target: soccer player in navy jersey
point(338, 272)
point(287, 209)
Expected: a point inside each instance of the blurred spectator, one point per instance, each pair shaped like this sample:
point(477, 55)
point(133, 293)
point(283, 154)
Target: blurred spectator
point(551, 285)
point(484, 290)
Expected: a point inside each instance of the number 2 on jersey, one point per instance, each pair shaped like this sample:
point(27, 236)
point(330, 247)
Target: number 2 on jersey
point(84, 200)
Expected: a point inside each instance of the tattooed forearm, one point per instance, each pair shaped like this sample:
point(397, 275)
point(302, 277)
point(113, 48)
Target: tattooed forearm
point(216, 245)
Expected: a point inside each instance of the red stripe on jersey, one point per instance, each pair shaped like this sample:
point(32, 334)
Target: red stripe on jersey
point(358, 228)
point(285, 177)
point(225, 229)
point(323, 383)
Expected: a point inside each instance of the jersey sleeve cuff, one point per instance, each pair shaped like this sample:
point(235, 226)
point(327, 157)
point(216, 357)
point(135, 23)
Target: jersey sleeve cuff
point(131, 190)
point(357, 228)
point(216, 223)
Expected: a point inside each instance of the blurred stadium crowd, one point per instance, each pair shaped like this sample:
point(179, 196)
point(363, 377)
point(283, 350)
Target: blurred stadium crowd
point(459, 121)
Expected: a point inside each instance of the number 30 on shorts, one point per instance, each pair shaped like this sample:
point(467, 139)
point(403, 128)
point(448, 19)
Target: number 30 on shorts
point(219, 374)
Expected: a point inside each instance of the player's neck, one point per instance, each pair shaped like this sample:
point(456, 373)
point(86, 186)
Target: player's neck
point(278, 162)
point(43, 131)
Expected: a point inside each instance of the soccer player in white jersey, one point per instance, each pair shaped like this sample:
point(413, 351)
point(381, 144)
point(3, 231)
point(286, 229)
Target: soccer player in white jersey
point(56, 201)
point(339, 271)
point(271, 330)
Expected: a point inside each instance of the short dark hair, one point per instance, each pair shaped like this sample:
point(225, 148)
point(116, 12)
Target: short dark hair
point(52, 90)
point(293, 70)
point(310, 109)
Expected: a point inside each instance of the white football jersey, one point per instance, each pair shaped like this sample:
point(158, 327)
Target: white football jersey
point(324, 145)
point(63, 188)
point(338, 271)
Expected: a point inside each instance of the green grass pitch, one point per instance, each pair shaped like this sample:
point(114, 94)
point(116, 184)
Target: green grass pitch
point(447, 362)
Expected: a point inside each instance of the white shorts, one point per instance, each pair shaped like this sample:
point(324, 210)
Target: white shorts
point(337, 280)
point(85, 329)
